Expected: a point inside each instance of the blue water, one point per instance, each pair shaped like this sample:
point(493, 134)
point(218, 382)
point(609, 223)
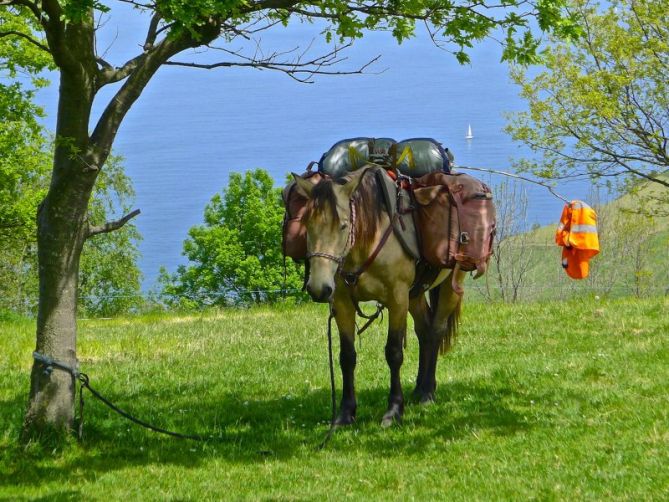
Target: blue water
point(191, 128)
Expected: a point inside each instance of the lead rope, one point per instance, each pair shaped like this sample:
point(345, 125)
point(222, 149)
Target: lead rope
point(285, 276)
point(333, 393)
point(370, 318)
point(49, 364)
point(83, 378)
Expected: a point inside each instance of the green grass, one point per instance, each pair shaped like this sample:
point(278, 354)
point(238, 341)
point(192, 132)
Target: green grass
point(550, 401)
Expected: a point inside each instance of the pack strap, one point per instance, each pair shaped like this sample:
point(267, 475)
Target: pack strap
point(480, 262)
point(351, 278)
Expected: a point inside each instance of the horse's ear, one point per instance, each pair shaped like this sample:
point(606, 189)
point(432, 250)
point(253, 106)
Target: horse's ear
point(304, 187)
point(354, 182)
point(426, 195)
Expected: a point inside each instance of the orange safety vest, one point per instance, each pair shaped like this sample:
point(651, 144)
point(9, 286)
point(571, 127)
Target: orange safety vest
point(577, 233)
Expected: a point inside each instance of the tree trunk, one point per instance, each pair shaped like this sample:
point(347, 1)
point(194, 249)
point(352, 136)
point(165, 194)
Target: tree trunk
point(59, 247)
point(62, 227)
point(61, 232)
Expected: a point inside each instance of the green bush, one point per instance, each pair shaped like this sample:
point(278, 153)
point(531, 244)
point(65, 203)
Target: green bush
point(235, 257)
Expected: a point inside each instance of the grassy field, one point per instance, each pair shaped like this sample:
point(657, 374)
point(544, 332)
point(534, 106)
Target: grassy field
point(549, 401)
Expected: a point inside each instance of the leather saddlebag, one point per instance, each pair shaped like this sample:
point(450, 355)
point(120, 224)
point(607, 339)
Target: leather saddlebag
point(294, 239)
point(456, 220)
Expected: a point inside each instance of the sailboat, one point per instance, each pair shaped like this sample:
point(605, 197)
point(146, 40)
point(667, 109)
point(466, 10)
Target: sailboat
point(469, 134)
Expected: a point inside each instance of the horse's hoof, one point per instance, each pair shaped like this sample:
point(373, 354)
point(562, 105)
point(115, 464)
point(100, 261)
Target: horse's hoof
point(389, 420)
point(344, 420)
point(422, 397)
point(426, 399)
point(392, 416)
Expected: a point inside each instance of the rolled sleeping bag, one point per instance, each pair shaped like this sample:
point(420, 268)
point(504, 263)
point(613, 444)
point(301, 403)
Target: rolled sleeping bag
point(381, 150)
point(351, 154)
point(345, 156)
point(417, 157)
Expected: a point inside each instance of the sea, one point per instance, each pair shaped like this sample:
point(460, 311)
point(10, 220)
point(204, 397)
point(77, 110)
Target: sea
point(191, 128)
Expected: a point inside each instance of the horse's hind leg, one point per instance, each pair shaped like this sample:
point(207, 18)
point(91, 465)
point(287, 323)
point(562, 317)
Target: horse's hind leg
point(345, 318)
point(397, 322)
point(446, 305)
point(421, 313)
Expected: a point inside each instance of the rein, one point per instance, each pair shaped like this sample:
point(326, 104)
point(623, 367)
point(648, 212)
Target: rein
point(351, 278)
point(333, 390)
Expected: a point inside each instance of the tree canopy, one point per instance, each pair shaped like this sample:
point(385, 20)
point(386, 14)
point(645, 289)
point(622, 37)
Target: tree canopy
point(600, 108)
point(177, 25)
point(24, 160)
point(235, 256)
point(109, 279)
point(109, 275)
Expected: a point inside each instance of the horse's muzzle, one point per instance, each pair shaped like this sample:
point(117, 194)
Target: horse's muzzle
point(322, 296)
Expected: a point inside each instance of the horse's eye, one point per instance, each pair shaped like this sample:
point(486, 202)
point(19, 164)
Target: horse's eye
point(344, 225)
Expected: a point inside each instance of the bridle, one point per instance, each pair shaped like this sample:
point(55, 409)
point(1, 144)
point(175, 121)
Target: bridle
point(350, 242)
point(351, 278)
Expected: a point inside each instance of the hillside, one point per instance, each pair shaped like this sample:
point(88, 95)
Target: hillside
point(633, 258)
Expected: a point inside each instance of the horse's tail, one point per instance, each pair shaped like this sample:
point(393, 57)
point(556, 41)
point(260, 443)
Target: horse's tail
point(451, 328)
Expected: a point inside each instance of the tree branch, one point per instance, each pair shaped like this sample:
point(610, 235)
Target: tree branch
point(108, 74)
point(32, 6)
point(298, 69)
point(25, 37)
point(152, 32)
point(107, 67)
point(516, 176)
point(138, 4)
point(110, 226)
point(139, 71)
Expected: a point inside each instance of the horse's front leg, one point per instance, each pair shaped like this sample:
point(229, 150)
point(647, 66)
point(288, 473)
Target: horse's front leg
point(345, 318)
point(397, 320)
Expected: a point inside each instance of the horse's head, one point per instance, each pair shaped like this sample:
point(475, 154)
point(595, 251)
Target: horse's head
point(330, 221)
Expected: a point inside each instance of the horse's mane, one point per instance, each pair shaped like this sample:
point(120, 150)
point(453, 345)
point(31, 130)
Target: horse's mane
point(367, 200)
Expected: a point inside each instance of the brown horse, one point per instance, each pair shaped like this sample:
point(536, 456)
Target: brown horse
point(346, 224)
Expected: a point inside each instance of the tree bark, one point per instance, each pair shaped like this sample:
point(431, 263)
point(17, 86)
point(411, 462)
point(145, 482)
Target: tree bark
point(59, 248)
point(61, 232)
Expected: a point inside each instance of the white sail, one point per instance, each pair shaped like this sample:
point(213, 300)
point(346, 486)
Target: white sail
point(469, 134)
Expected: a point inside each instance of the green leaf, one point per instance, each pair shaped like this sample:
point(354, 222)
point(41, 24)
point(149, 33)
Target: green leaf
point(235, 256)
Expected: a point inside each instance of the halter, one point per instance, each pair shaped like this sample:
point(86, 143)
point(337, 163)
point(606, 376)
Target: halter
point(351, 278)
point(350, 242)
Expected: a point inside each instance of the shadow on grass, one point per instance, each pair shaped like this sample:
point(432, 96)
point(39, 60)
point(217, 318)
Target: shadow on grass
point(252, 431)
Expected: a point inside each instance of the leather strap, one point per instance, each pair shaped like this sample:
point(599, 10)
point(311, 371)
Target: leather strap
point(351, 278)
